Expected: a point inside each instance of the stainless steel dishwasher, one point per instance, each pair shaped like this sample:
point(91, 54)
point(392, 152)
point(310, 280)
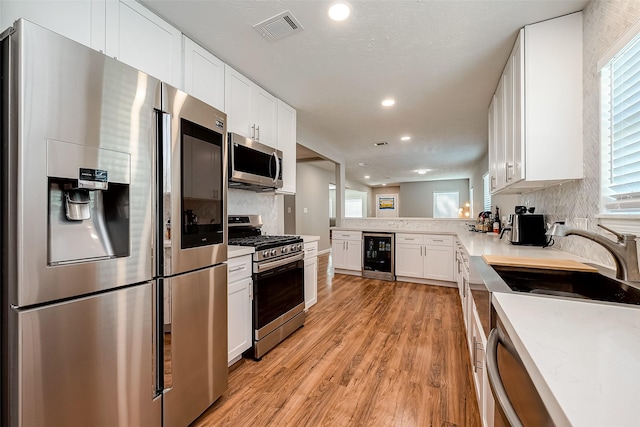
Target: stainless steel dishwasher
point(378, 260)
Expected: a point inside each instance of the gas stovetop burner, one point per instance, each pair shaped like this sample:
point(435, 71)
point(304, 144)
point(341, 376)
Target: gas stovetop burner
point(244, 230)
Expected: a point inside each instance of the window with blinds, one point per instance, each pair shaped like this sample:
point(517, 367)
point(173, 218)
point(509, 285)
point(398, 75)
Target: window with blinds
point(486, 193)
point(620, 95)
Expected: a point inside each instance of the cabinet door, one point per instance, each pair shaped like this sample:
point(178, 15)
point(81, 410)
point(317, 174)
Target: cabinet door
point(438, 263)
point(264, 116)
point(338, 253)
point(239, 327)
point(310, 282)
point(409, 260)
point(237, 102)
point(287, 144)
point(354, 255)
point(80, 21)
point(499, 169)
point(203, 74)
point(508, 115)
point(517, 57)
point(493, 144)
point(139, 38)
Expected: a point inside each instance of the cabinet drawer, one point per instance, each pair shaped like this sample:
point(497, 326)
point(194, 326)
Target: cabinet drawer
point(310, 250)
point(438, 240)
point(411, 239)
point(239, 268)
point(346, 235)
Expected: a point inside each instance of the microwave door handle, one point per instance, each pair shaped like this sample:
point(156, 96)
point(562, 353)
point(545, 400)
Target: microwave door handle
point(275, 156)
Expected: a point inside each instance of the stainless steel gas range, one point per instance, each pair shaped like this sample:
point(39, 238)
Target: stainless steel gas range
point(278, 282)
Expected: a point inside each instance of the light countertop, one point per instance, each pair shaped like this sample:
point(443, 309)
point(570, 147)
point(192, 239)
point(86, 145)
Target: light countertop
point(583, 357)
point(236, 251)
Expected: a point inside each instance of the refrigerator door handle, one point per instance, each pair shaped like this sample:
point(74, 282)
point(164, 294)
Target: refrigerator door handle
point(165, 122)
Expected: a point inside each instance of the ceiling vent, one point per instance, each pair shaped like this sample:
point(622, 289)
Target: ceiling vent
point(279, 26)
point(381, 143)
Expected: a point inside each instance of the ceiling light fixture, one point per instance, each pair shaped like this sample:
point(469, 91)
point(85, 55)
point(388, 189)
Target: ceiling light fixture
point(367, 177)
point(339, 11)
point(421, 171)
point(405, 138)
point(388, 102)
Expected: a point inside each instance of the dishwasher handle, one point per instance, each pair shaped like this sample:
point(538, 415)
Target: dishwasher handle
point(495, 382)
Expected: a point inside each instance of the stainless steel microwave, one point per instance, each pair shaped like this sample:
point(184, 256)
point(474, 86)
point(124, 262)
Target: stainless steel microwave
point(252, 165)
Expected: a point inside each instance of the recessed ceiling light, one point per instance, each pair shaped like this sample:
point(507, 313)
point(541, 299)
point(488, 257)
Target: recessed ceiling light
point(388, 102)
point(364, 164)
point(339, 11)
point(367, 177)
point(383, 184)
point(405, 138)
point(421, 171)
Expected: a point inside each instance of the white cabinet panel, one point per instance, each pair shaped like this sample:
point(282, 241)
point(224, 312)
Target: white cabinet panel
point(239, 308)
point(203, 74)
point(424, 256)
point(535, 118)
point(137, 37)
point(264, 114)
point(83, 21)
point(287, 144)
point(346, 248)
point(237, 102)
point(239, 300)
point(310, 282)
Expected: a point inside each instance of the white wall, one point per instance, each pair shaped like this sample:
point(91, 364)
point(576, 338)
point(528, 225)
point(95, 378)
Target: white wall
point(312, 186)
point(416, 198)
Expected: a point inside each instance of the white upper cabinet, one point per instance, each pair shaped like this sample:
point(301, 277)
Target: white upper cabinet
point(137, 37)
point(535, 118)
point(82, 21)
point(287, 144)
point(252, 111)
point(203, 74)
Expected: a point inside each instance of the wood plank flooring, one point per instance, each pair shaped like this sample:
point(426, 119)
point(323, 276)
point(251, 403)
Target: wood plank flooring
point(371, 353)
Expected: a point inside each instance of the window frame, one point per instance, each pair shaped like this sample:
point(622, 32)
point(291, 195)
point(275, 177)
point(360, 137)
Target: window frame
point(454, 212)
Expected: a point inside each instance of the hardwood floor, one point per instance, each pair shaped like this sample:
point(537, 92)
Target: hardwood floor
point(371, 353)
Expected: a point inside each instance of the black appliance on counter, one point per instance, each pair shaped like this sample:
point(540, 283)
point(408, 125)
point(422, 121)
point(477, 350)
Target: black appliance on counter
point(528, 229)
point(278, 282)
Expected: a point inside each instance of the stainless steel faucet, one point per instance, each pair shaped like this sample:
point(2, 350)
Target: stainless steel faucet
point(624, 250)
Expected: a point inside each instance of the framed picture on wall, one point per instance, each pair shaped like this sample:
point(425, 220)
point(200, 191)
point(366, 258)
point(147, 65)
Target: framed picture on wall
point(387, 205)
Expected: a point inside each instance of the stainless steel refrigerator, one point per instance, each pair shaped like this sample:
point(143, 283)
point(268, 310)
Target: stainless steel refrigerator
point(97, 328)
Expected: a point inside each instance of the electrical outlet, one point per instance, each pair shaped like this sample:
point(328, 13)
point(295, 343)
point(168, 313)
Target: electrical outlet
point(580, 223)
point(305, 210)
point(288, 209)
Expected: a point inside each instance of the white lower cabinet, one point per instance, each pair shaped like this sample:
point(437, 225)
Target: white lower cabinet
point(310, 274)
point(346, 251)
point(424, 256)
point(239, 298)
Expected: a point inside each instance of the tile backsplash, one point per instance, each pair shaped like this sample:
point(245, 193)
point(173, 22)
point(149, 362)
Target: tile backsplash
point(242, 202)
point(604, 22)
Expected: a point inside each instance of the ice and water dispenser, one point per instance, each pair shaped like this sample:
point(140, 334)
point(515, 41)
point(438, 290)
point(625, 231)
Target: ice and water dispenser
point(88, 203)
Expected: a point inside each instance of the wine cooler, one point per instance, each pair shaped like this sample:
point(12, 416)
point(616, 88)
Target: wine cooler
point(378, 257)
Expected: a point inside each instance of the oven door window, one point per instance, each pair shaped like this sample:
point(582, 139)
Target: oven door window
point(202, 204)
point(277, 291)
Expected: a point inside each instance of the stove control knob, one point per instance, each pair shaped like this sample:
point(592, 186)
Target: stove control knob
point(294, 247)
point(299, 246)
point(273, 252)
point(265, 254)
point(284, 249)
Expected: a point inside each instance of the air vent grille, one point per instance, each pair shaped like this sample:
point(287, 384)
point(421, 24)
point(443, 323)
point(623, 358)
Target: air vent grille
point(279, 26)
point(381, 143)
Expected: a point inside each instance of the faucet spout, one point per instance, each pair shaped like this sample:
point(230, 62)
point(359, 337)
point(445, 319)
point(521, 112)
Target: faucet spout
point(624, 250)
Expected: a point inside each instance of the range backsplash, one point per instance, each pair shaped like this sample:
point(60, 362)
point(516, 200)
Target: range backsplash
point(242, 202)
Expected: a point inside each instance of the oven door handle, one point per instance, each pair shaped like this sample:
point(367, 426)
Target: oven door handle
point(275, 264)
point(496, 337)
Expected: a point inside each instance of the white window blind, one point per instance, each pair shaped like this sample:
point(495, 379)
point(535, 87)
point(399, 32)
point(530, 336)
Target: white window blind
point(620, 94)
point(486, 193)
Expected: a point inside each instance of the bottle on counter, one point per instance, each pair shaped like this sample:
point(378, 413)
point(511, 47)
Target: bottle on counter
point(496, 221)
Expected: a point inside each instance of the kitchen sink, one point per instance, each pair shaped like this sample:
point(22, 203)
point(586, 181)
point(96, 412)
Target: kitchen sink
point(571, 284)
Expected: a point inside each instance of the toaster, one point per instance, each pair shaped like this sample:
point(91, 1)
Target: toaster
point(528, 229)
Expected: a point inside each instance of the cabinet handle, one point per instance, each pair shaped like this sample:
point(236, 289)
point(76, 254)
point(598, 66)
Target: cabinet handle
point(464, 286)
point(437, 240)
point(474, 351)
point(493, 182)
point(234, 269)
point(253, 131)
point(509, 167)
point(477, 364)
point(257, 133)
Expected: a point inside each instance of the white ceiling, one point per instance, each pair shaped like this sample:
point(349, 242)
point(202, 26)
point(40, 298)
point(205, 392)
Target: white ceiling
point(440, 59)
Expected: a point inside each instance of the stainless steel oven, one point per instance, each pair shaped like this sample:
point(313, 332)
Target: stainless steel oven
point(278, 282)
point(278, 301)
